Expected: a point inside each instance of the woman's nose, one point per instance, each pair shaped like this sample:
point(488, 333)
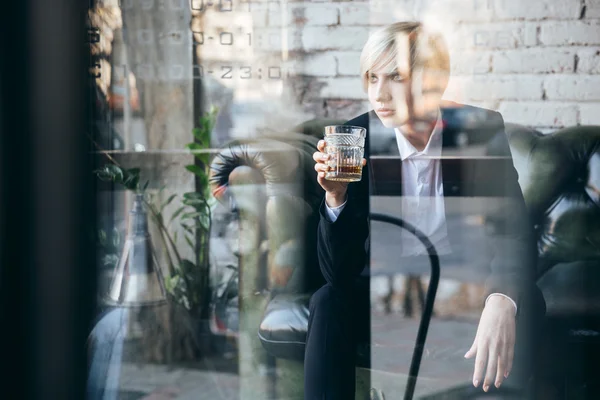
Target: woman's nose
point(382, 94)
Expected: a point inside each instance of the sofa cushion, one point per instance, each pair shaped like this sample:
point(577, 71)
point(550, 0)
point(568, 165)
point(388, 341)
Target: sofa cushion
point(284, 326)
point(282, 331)
point(572, 289)
point(559, 175)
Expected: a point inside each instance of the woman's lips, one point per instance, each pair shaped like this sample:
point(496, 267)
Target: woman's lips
point(385, 112)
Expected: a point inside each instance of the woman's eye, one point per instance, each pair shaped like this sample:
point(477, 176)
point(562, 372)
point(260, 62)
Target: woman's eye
point(373, 78)
point(397, 78)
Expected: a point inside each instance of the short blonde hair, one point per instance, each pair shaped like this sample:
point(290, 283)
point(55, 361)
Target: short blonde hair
point(383, 49)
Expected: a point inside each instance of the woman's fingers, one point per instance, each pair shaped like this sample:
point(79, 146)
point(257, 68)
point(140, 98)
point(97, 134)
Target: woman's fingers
point(321, 146)
point(509, 359)
point(320, 157)
point(491, 368)
point(321, 167)
point(502, 363)
point(481, 361)
point(473, 350)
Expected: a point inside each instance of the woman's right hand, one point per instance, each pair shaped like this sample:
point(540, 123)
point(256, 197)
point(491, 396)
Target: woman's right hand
point(335, 192)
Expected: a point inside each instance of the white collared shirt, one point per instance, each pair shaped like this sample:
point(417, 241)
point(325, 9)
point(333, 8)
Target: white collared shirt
point(422, 195)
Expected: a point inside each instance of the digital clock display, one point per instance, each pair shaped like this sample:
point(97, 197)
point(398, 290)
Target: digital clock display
point(195, 5)
point(174, 72)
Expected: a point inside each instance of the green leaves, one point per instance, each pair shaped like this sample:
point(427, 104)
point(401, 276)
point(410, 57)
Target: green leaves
point(205, 127)
point(166, 203)
point(177, 213)
point(186, 280)
point(129, 178)
point(196, 170)
point(197, 150)
point(184, 284)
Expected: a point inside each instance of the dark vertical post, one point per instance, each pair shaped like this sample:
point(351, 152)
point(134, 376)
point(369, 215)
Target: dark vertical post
point(199, 109)
point(47, 269)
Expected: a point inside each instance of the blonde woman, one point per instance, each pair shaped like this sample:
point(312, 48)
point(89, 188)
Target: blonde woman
point(405, 71)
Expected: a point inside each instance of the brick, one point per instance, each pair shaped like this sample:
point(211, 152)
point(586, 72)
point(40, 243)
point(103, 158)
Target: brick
point(381, 18)
point(273, 39)
point(320, 64)
point(342, 88)
point(572, 87)
point(534, 114)
point(589, 114)
point(355, 14)
point(589, 61)
point(383, 12)
point(348, 63)
point(259, 17)
point(305, 14)
point(532, 61)
point(473, 62)
point(313, 109)
point(570, 33)
point(535, 10)
point(304, 89)
point(504, 87)
point(345, 109)
point(497, 35)
point(592, 9)
point(461, 10)
point(334, 38)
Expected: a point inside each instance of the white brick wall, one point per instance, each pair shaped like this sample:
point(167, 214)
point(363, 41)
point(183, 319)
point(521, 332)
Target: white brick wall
point(496, 87)
point(303, 14)
point(275, 39)
point(494, 35)
point(459, 10)
point(536, 60)
point(592, 9)
point(565, 33)
point(589, 61)
point(348, 63)
point(545, 114)
point(572, 87)
point(334, 38)
point(343, 88)
point(589, 114)
point(319, 64)
point(536, 9)
point(472, 62)
point(355, 14)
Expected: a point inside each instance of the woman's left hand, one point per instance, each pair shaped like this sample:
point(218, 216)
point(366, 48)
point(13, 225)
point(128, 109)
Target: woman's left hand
point(494, 343)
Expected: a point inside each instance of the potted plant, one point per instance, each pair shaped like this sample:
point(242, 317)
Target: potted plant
point(186, 280)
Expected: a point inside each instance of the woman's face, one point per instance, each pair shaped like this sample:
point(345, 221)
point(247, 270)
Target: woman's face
point(402, 100)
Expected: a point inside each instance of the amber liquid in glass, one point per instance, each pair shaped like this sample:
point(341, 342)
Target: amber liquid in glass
point(345, 164)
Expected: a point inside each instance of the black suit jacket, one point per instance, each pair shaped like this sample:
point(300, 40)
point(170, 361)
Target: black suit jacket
point(343, 246)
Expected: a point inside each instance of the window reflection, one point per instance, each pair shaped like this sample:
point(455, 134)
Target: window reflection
point(239, 203)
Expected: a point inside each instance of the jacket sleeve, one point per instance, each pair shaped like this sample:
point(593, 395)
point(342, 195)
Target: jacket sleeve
point(343, 245)
point(510, 232)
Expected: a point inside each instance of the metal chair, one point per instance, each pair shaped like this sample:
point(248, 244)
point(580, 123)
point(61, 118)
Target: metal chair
point(415, 363)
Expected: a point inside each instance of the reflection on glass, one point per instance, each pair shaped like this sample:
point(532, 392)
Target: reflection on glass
point(138, 278)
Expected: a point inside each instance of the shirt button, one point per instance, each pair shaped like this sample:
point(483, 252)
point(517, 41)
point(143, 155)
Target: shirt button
point(422, 180)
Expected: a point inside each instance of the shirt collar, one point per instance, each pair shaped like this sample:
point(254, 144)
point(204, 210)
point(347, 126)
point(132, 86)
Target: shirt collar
point(432, 149)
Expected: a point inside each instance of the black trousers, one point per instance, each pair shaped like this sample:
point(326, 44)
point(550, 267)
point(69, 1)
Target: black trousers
point(340, 319)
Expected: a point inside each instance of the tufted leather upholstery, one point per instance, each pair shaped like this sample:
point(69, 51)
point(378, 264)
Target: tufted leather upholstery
point(287, 212)
point(558, 173)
